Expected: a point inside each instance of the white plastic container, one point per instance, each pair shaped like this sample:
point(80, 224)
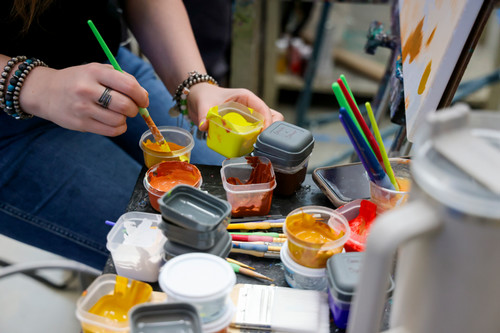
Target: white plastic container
point(301, 277)
point(203, 279)
point(136, 246)
point(221, 324)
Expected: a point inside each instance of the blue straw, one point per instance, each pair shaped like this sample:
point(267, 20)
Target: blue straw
point(366, 155)
point(111, 223)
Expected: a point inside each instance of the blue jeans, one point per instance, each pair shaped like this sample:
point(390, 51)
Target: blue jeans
point(57, 187)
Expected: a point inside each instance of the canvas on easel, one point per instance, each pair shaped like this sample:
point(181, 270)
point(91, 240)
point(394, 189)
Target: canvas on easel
point(433, 36)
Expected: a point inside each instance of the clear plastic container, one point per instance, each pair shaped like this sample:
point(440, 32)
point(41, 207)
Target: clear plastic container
point(301, 277)
point(221, 325)
point(246, 197)
point(289, 179)
point(205, 280)
point(136, 246)
point(233, 129)
point(162, 177)
point(182, 145)
point(104, 309)
point(315, 234)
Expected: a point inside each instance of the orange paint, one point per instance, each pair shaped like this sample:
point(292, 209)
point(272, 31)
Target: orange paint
point(407, 102)
point(425, 77)
point(413, 44)
point(404, 184)
point(155, 146)
point(305, 227)
point(429, 40)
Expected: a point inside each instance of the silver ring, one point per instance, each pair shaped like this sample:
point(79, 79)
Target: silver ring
point(105, 98)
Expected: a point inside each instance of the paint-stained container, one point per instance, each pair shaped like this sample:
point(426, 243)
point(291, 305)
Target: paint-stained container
point(180, 144)
point(289, 148)
point(301, 277)
point(342, 272)
point(202, 279)
point(164, 176)
point(233, 129)
point(164, 317)
point(249, 183)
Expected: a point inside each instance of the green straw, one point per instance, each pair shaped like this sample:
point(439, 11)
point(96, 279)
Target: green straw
point(343, 78)
point(380, 142)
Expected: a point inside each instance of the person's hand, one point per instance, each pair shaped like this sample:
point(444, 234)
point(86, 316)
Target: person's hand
point(70, 97)
point(203, 96)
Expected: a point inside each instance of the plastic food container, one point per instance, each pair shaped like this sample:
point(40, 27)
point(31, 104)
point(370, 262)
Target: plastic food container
point(315, 234)
point(221, 248)
point(136, 246)
point(180, 142)
point(193, 209)
point(201, 279)
point(249, 183)
point(343, 275)
point(110, 291)
point(164, 317)
point(162, 177)
point(233, 129)
point(301, 277)
point(288, 147)
point(196, 239)
point(221, 325)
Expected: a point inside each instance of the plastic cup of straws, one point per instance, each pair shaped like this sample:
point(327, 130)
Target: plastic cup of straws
point(387, 199)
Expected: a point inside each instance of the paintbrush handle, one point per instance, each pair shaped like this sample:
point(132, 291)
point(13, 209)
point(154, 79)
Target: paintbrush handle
point(274, 255)
point(254, 225)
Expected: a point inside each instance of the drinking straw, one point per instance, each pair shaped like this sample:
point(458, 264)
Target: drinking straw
point(361, 122)
point(343, 78)
point(143, 111)
point(341, 99)
point(367, 157)
point(385, 158)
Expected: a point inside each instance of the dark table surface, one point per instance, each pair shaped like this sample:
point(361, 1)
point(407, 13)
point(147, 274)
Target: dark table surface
point(308, 194)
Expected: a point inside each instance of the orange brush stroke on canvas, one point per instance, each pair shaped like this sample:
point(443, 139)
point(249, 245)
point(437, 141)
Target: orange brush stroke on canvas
point(413, 44)
point(429, 40)
point(425, 77)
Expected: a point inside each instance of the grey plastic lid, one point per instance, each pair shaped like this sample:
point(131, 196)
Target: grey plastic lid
point(221, 248)
point(446, 180)
point(343, 273)
point(284, 143)
point(191, 208)
point(200, 240)
point(164, 317)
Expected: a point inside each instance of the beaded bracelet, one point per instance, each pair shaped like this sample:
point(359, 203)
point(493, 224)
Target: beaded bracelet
point(5, 75)
point(182, 91)
point(12, 106)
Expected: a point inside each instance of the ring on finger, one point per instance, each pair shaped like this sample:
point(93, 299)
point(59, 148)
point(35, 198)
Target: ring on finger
point(105, 98)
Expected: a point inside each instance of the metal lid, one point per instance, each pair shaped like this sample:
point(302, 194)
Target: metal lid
point(457, 160)
point(285, 143)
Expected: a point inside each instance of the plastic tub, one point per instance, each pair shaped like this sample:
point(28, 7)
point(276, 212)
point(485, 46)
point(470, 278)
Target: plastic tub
point(136, 246)
point(315, 234)
point(249, 183)
point(193, 209)
point(221, 324)
point(343, 275)
point(200, 240)
point(164, 176)
point(164, 317)
point(222, 248)
point(202, 279)
point(289, 179)
point(301, 277)
point(233, 129)
point(93, 311)
point(180, 141)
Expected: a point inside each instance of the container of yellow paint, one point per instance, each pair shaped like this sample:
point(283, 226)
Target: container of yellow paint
point(233, 129)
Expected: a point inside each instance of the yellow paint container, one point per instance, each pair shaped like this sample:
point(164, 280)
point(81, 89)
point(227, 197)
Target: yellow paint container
point(233, 129)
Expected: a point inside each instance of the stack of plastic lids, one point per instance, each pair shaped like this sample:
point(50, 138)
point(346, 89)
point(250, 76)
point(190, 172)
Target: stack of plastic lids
point(164, 317)
point(194, 221)
point(288, 147)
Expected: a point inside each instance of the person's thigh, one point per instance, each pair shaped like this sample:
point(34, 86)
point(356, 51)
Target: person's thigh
point(160, 102)
point(58, 187)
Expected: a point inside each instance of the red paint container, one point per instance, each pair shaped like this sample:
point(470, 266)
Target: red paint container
point(164, 176)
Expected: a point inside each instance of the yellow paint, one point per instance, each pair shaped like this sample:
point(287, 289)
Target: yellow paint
point(237, 119)
point(155, 153)
point(425, 77)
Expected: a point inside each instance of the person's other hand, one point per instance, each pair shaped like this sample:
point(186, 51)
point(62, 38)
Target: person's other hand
point(203, 96)
point(70, 97)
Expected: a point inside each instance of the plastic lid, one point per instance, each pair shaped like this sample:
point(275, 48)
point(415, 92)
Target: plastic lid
point(446, 181)
point(156, 317)
point(297, 268)
point(343, 272)
point(221, 248)
point(285, 143)
point(222, 322)
point(197, 277)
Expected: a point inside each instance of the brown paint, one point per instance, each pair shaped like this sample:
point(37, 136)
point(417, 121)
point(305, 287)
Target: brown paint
point(425, 77)
point(413, 44)
point(429, 40)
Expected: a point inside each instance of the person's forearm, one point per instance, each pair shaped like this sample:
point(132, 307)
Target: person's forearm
point(165, 36)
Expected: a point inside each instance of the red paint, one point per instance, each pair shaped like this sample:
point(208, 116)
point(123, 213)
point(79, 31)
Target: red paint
point(360, 227)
